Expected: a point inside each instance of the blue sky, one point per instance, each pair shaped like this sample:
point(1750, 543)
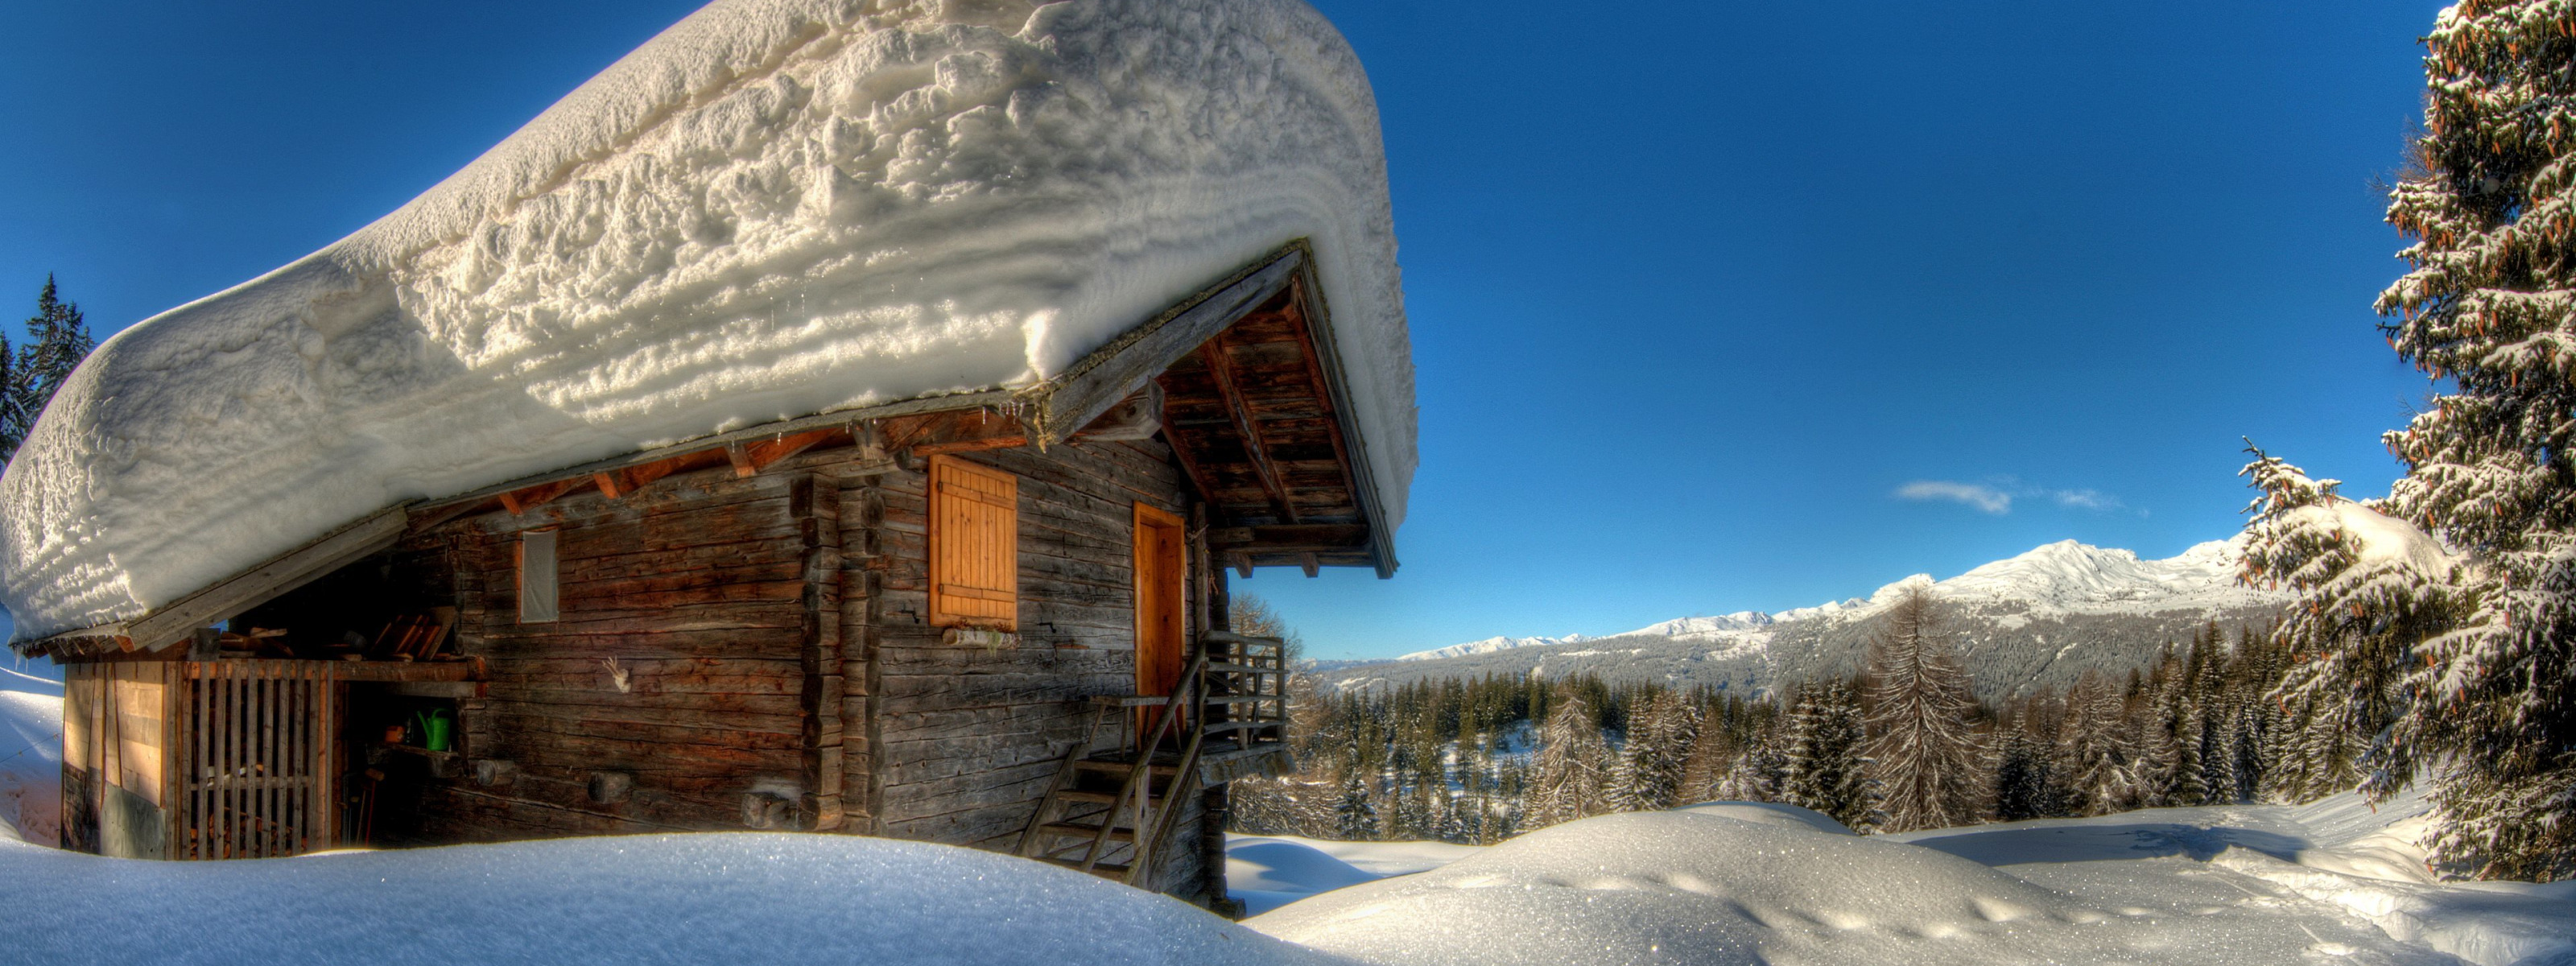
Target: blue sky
point(1716, 306)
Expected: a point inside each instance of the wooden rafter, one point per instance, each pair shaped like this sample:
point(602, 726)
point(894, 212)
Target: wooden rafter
point(749, 458)
point(1315, 377)
point(1220, 368)
point(529, 498)
point(960, 431)
point(612, 484)
point(1292, 538)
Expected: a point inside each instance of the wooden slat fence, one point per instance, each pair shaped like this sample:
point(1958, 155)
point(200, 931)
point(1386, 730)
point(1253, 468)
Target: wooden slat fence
point(257, 769)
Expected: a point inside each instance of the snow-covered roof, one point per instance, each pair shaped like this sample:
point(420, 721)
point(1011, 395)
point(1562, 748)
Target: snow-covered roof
point(776, 208)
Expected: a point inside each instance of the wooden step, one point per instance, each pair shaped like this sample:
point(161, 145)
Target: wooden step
point(1122, 767)
point(1105, 870)
point(1246, 725)
point(1108, 796)
point(1229, 667)
point(1130, 700)
point(1081, 831)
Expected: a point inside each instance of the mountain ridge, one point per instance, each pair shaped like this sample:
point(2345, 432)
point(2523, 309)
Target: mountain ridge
point(2040, 617)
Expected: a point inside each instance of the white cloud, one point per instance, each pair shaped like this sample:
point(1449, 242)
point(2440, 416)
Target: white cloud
point(2086, 499)
point(1997, 498)
point(1985, 498)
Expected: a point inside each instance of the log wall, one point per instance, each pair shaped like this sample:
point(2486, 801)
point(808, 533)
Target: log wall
point(672, 693)
point(962, 741)
point(779, 670)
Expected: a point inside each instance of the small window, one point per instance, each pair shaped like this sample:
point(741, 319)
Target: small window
point(538, 599)
point(974, 523)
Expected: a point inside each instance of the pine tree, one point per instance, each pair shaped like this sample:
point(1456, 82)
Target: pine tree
point(1568, 781)
point(57, 340)
point(1922, 755)
point(1649, 774)
point(15, 396)
point(1761, 772)
point(1355, 816)
point(2022, 785)
point(1827, 768)
point(1713, 754)
point(2187, 782)
point(2490, 465)
point(2098, 755)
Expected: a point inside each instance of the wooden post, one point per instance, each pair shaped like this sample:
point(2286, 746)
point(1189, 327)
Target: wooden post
point(815, 504)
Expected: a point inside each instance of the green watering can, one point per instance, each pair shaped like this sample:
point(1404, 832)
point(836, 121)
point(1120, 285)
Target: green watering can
point(437, 729)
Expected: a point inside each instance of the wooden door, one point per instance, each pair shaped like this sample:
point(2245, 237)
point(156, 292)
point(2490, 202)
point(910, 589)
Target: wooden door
point(1161, 632)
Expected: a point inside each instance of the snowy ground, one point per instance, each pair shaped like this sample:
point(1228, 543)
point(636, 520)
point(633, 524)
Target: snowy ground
point(771, 899)
point(1733, 883)
point(31, 756)
point(1721, 883)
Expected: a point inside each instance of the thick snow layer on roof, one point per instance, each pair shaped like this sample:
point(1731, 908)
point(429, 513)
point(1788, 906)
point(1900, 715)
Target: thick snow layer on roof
point(775, 208)
point(766, 898)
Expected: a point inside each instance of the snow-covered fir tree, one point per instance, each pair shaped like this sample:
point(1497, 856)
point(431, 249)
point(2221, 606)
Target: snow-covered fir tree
point(1924, 757)
point(57, 340)
point(1827, 767)
point(1355, 814)
point(2023, 788)
point(2216, 728)
point(1649, 774)
point(1760, 772)
point(2488, 310)
point(2099, 754)
point(1570, 778)
point(2374, 595)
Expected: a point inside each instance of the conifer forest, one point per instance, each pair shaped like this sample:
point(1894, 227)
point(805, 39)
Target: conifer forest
point(1898, 747)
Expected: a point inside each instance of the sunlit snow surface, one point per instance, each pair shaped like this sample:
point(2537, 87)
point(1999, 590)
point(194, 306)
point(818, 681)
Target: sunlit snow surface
point(31, 757)
point(2330, 882)
point(717, 899)
point(775, 208)
point(1718, 883)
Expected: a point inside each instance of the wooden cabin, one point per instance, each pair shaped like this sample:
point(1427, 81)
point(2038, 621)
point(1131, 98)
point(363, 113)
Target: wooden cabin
point(994, 619)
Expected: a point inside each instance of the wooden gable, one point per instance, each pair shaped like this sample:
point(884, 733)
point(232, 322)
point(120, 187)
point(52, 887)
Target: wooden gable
point(1251, 415)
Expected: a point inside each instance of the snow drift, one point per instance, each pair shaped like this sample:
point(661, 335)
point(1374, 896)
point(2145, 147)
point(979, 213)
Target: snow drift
point(1745, 883)
point(768, 898)
point(31, 757)
point(775, 208)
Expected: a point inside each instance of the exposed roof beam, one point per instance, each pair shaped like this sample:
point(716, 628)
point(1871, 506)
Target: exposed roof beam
point(1291, 537)
point(523, 500)
point(1220, 368)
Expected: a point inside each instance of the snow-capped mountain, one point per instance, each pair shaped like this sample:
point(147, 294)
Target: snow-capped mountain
point(1490, 645)
point(2039, 617)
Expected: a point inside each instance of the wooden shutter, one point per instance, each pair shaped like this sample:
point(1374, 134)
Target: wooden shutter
point(974, 541)
point(1160, 571)
point(538, 594)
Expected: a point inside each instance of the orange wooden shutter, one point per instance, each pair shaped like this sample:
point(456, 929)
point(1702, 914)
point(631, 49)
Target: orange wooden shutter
point(1160, 570)
point(974, 546)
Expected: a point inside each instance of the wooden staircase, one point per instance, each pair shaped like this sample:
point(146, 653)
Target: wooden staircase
point(1110, 810)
